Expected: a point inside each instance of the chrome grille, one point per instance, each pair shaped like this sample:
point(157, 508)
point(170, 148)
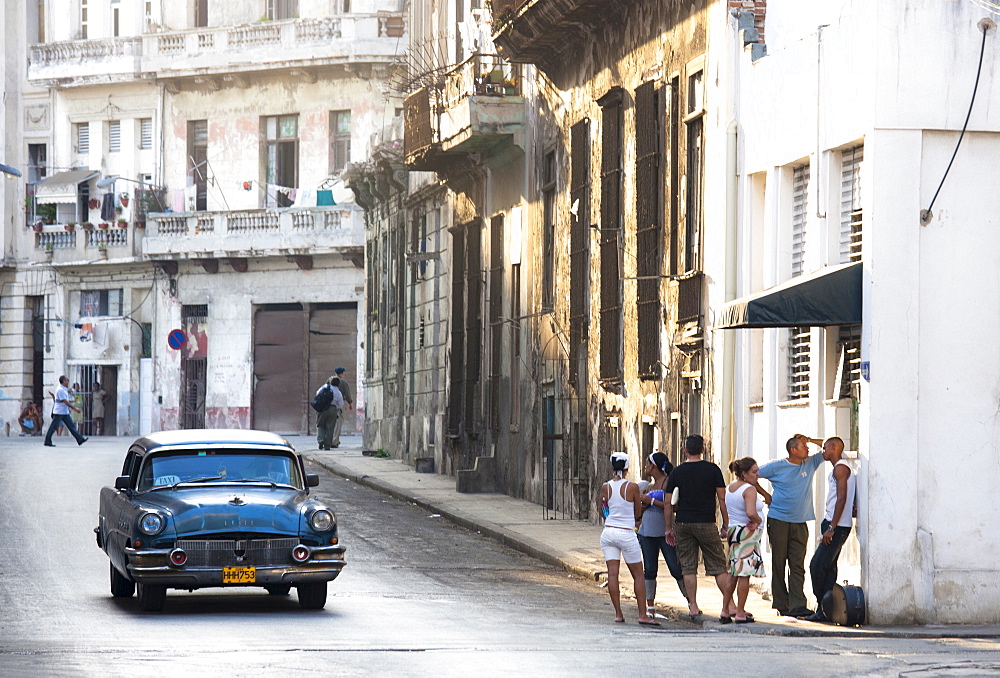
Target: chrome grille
point(230, 552)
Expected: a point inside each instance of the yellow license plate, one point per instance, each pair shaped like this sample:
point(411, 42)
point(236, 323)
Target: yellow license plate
point(239, 575)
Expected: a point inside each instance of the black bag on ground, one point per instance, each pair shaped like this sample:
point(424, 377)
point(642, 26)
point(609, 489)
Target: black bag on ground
point(321, 401)
point(845, 605)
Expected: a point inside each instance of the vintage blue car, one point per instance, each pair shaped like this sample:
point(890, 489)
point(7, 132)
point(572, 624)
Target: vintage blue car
point(200, 508)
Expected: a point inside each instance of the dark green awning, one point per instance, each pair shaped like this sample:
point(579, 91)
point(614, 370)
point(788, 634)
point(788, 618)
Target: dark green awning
point(830, 296)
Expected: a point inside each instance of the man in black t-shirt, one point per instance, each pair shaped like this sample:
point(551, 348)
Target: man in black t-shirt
point(700, 485)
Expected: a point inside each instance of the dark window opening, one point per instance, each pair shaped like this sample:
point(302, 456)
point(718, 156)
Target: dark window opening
point(649, 227)
point(548, 229)
point(198, 162)
point(612, 320)
point(495, 317)
point(579, 271)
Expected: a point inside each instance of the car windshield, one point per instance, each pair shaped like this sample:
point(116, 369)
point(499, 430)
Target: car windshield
point(168, 468)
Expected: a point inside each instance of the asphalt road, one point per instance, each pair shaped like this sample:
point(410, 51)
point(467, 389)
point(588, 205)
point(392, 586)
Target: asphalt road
point(419, 597)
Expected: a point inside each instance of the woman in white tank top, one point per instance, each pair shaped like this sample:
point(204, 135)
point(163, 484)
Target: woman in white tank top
point(746, 508)
point(620, 505)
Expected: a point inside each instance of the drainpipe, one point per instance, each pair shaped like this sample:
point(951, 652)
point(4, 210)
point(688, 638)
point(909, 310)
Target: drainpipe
point(728, 338)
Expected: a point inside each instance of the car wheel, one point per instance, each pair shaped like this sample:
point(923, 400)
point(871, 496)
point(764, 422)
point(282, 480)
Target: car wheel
point(151, 597)
point(279, 589)
point(121, 587)
point(312, 596)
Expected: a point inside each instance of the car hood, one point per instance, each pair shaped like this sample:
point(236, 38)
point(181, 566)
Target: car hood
point(230, 508)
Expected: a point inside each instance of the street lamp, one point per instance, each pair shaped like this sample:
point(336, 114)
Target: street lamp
point(10, 171)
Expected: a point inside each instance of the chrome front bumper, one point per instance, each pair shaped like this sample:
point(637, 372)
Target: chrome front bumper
point(152, 566)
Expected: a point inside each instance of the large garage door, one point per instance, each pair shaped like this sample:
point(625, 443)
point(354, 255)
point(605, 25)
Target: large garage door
point(333, 342)
point(279, 402)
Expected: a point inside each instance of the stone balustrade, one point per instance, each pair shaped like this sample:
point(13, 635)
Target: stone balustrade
point(266, 232)
point(85, 61)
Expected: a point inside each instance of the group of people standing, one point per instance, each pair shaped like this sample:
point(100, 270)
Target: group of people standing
point(330, 420)
point(675, 515)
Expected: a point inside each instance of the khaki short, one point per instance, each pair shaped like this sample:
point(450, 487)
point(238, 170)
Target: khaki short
point(704, 536)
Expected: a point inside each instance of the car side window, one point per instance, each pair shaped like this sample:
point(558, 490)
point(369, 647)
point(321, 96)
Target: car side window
point(129, 464)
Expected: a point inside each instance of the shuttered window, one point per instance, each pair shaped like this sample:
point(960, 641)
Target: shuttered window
point(612, 320)
point(579, 266)
point(649, 226)
point(114, 136)
point(146, 133)
point(800, 207)
point(850, 203)
point(457, 366)
point(474, 318)
point(495, 316)
point(548, 229)
point(798, 363)
point(82, 137)
point(340, 140)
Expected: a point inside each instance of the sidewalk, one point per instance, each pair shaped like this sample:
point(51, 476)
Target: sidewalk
point(573, 545)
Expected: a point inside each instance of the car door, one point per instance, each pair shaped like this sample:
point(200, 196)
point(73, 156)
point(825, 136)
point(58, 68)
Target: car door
point(117, 511)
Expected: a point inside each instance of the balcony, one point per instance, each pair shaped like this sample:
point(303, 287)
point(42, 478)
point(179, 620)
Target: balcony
point(537, 31)
point(219, 55)
point(474, 108)
point(57, 246)
point(255, 233)
point(84, 62)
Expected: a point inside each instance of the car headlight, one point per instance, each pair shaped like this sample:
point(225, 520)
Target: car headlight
point(151, 523)
point(321, 521)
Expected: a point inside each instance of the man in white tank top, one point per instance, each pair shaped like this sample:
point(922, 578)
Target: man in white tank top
point(836, 525)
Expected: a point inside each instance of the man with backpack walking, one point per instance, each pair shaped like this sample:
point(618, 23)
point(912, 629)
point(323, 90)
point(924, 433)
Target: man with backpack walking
point(328, 402)
point(345, 390)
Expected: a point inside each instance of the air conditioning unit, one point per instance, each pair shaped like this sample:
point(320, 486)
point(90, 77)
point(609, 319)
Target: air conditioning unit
point(494, 88)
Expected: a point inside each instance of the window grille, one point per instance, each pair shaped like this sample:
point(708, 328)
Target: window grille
point(649, 227)
point(83, 138)
point(798, 363)
point(114, 136)
point(612, 320)
point(800, 208)
point(146, 133)
point(850, 204)
point(579, 273)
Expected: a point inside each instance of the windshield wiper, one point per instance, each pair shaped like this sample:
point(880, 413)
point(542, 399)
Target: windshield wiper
point(197, 480)
point(272, 483)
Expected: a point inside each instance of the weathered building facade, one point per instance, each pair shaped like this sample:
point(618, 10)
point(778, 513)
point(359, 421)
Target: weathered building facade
point(547, 253)
point(185, 165)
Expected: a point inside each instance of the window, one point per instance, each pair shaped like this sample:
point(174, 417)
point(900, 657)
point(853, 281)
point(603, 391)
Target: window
point(146, 133)
point(548, 229)
point(579, 265)
point(693, 196)
point(800, 216)
point(474, 319)
point(278, 10)
point(201, 13)
point(457, 366)
point(115, 21)
point(83, 19)
point(612, 319)
point(849, 367)
point(850, 203)
point(798, 363)
point(495, 317)
point(673, 174)
point(82, 134)
point(281, 160)
point(515, 344)
point(197, 148)
point(94, 303)
point(37, 162)
point(649, 227)
point(696, 93)
point(114, 136)
point(340, 140)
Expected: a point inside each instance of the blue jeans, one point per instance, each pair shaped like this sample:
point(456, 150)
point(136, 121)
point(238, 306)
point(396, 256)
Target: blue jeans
point(68, 421)
point(823, 566)
point(652, 547)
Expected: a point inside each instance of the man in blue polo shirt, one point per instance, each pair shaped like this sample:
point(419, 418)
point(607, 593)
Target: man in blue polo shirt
point(791, 508)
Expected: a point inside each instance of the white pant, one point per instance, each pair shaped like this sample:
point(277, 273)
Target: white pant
point(620, 543)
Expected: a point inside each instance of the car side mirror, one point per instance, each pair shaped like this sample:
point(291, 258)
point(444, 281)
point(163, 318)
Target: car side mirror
point(122, 482)
point(312, 480)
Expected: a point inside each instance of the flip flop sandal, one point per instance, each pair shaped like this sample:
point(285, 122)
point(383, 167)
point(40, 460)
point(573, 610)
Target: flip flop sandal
point(726, 620)
point(651, 622)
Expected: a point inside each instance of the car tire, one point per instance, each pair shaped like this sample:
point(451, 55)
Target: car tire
point(312, 596)
point(279, 589)
point(151, 597)
point(121, 587)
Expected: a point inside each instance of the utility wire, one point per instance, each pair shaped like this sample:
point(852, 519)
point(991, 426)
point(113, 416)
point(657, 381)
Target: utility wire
point(925, 215)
